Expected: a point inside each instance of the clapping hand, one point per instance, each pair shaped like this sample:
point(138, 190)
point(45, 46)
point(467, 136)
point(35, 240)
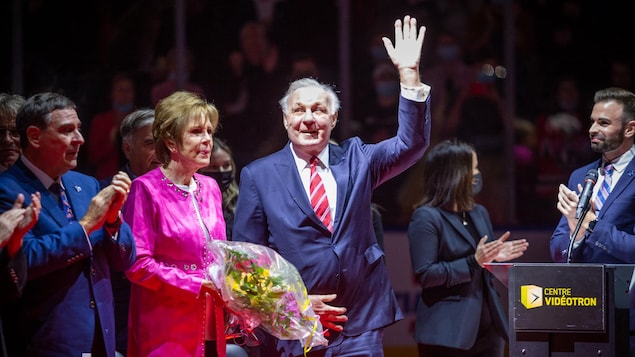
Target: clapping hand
point(512, 250)
point(500, 249)
point(15, 222)
point(104, 207)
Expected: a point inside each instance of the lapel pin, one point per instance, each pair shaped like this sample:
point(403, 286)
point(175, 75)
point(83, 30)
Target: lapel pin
point(78, 189)
point(630, 173)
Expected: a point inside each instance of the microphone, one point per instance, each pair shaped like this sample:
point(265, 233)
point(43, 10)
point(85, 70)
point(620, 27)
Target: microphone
point(585, 196)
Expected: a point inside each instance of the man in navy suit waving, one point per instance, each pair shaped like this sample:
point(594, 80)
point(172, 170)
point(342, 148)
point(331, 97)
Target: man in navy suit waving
point(335, 249)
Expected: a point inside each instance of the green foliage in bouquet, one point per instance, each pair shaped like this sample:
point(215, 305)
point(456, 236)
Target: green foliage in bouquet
point(263, 289)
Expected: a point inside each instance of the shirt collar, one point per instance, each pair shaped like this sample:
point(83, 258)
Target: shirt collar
point(44, 178)
point(621, 162)
point(301, 164)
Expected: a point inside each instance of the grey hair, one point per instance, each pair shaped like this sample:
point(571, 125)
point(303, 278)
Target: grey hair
point(135, 120)
point(333, 100)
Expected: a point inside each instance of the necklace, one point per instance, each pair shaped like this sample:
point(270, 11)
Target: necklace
point(182, 192)
point(463, 218)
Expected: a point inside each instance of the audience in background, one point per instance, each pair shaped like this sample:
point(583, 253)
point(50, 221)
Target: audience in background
point(170, 83)
point(104, 142)
point(562, 144)
point(542, 53)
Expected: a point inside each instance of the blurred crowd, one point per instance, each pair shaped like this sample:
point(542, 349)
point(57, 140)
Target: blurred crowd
point(112, 57)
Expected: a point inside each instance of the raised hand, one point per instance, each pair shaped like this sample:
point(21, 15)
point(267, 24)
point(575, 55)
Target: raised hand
point(405, 54)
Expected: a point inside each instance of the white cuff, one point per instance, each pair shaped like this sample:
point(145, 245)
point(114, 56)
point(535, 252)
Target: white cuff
point(418, 94)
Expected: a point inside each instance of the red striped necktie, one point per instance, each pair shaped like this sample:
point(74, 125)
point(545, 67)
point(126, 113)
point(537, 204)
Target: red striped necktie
point(319, 201)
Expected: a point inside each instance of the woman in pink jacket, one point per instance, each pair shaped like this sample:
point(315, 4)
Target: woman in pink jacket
point(173, 212)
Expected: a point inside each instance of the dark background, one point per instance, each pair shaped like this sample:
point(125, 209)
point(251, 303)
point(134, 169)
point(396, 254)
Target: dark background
point(75, 47)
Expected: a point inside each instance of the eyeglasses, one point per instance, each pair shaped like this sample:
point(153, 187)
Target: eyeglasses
point(12, 132)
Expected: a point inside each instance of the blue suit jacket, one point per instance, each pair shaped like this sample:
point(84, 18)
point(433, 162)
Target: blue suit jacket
point(613, 239)
point(449, 311)
point(68, 282)
point(273, 209)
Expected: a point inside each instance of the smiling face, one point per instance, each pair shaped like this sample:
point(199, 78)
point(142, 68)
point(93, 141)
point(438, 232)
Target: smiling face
point(608, 134)
point(308, 121)
point(55, 148)
point(195, 148)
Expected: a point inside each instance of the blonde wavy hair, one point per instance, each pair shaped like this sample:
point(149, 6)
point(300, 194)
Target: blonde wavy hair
point(172, 116)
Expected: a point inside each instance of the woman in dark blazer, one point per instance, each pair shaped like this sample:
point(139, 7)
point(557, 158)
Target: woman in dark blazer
point(451, 237)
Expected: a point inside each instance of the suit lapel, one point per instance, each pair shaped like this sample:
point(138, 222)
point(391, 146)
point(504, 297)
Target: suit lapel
point(479, 224)
point(341, 173)
point(285, 168)
point(31, 183)
point(625, 180)
point(458, 226)
point(74, 193)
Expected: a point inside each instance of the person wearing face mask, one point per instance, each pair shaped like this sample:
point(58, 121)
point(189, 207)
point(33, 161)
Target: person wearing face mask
point(451, 238)
point(223, 169)
point(104, 141)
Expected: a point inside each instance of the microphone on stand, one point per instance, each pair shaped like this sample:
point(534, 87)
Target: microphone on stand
point(585, 196)
point(584, 203)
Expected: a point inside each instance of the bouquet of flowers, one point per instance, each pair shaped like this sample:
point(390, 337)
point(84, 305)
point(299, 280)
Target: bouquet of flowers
point(263, 289)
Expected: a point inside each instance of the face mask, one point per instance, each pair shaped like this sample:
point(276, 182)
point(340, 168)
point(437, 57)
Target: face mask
point(122, 108)
point(223, 178)
point(387, 89)
point(477, 184)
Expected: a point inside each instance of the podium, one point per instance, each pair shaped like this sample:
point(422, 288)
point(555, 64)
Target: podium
point(562, 310)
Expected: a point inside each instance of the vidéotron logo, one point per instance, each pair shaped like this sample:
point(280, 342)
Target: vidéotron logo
point(531, 296)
